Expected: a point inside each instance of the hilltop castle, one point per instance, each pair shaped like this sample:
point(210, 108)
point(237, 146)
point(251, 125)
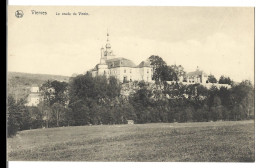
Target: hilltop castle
point(126, 71)
point(121, 68)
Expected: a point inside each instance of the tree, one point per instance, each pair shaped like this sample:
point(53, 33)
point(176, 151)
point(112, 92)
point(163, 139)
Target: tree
point(97, 88)
point(160, 68)
point(58, 113)
point(178, 72)
point(26, 120)
point(129, 111)
point(141, 101)
point(60, 92)
point(225, 113)
point(243, 98)
point(36, 117)
point(201, 114)
point(53, 92)
point(156, 62)
point(80, 113)
point(212, 79)
point(13, 117)
point(197, 96)
point(216, 109)
point(213, 91)
point(95, 100)
point(18, 116)
point(48, 99)
point(186, 114)
point(225, 80)
point(69, 117)
point(47, 93)
point(163, 72)
point(236, 112)
point(142, 96)
point(114, 87)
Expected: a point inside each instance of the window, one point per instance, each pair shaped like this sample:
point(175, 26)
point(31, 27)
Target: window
point(130, 70)
point(147, 70)
point(124, 79)
point(124, 71)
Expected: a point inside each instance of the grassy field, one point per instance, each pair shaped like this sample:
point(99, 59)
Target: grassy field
point(209, 141)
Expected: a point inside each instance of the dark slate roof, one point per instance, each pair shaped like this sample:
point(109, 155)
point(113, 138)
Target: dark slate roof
point(123, 62)
point(95, 68)
point(196, 73)
point(119, 62)
point(144, 64)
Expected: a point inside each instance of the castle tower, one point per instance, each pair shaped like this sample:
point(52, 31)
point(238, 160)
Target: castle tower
point(102, 67)
point(108, 54)
point(102, 59)
point(197, 69)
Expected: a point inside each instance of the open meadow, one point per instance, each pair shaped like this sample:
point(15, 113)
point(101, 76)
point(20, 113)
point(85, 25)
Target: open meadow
point(227, 141)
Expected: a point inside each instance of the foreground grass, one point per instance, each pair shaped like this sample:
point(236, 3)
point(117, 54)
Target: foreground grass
point(213, 141)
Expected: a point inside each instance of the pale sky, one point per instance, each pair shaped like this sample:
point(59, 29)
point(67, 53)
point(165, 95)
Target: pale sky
point(217, 39)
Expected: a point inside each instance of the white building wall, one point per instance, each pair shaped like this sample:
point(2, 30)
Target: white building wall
point(208, 85)
point(94, 73)
point(102, 69)
point(35, 89)
point(204, 78)
point(33, 99)
point(114, 72)
point(129, 73)
point(135, 74)
point(145, 74)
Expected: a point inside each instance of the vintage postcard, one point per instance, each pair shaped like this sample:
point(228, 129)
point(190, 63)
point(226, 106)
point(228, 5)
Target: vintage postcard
point(131, 84)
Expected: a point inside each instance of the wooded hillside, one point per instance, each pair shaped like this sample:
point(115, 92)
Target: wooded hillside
point(19, 84)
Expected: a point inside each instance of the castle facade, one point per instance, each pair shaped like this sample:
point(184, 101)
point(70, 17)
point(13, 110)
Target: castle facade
point(121, 68)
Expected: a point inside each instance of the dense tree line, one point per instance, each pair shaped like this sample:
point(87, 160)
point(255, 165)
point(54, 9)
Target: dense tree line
point(182, 103)
point(97, 100)
point(88, 100)
point(51, 111)
point(20, 117)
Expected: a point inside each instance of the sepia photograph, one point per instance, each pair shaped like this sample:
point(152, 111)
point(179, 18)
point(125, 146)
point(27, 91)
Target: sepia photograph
point(131, 84)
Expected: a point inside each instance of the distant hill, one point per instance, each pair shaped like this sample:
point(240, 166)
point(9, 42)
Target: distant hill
point(19, 84)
